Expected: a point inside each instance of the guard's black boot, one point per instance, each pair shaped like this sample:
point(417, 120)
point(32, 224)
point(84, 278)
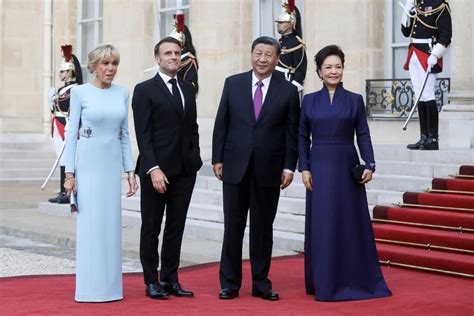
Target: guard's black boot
point(433, 117)
point(423, 127)
point(55, 199)
point(62, 197)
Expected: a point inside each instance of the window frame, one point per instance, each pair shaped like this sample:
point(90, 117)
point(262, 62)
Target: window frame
point(97, 22)
point(160, 11)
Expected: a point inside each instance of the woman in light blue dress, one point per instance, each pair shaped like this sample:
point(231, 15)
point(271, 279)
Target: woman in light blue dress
point(94, 164)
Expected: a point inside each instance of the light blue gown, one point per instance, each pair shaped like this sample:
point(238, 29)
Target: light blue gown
point(100, 116)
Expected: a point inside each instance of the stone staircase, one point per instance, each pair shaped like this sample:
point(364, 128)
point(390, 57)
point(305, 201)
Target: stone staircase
point(398, 170)
point(26, 158)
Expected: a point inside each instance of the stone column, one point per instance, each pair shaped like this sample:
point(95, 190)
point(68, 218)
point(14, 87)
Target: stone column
point(457, 118)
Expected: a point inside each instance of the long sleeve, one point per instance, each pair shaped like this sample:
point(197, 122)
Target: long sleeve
point(291, 155)
point(220, 126)
point(445, 29)
point(125, 140)
point(304, 140)
point(143, 128)
point(406, 29)
point(72, 130)
point(363, 136)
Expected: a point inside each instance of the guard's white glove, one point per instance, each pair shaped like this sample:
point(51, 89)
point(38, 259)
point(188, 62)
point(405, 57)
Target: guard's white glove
point(432, 60)
point(437, 52)
point(406, 14)
point(409, 4)
point(52, 98)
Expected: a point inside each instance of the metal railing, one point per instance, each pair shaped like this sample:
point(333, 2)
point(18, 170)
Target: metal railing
point(393, 99)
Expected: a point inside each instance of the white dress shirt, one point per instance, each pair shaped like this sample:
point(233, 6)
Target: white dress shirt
point(266, 84)
point(166, 79)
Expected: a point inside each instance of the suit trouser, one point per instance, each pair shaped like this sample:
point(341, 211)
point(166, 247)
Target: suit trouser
point(176, 200)
point(263, 202)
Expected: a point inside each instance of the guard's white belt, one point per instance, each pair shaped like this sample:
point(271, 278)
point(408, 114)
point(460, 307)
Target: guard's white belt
point(421, 40)
point(59, 114)
point(285, 70)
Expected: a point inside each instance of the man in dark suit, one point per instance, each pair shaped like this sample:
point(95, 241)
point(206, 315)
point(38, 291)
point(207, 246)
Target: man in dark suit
point(254, 153)
point(164, 111)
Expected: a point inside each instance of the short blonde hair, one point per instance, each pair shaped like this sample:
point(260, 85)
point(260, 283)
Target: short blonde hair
point(100, 53)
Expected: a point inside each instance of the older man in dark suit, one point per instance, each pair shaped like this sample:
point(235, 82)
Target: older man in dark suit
point(254, 153)
point(164, 110)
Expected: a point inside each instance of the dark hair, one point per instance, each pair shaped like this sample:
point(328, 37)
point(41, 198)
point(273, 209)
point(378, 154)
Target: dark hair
point(166, 40)
point(267, 40)
point(330, 50)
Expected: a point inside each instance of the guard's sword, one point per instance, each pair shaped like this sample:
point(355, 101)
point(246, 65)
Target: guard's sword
point(61, 151)
point(417, 100)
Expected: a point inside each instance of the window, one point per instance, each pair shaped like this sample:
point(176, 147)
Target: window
point(397, 45)
point(265, 14)
point(89, 31)
point(166, 10)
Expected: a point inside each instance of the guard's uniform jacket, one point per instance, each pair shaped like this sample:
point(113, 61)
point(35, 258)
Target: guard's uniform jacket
point(188, 71)
point(61, 107)
point(292, 64)
point(431, 25)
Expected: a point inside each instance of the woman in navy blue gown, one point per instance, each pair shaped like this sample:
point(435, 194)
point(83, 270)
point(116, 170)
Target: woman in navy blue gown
point(341, 261)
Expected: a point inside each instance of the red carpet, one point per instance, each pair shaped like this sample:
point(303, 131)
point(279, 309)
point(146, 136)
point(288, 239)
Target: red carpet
point(453, 184)
point(426, 216)
point(437, 199)
point(436, 237)
point(414, 293)
point(432, 230)
point(466, 170)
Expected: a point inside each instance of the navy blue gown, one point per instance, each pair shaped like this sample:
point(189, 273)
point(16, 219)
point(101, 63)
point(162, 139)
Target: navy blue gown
point(341, 260)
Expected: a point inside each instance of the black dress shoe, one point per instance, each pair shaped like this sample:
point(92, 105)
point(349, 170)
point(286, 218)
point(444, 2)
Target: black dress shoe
point(174, 288)
point(267, 295)
point(228, 294)
point(155, 291)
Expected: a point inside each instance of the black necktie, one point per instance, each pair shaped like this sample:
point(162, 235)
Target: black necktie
point(176, 94)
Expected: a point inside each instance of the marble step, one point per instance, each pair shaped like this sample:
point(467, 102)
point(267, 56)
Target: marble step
point(282, 240)
point(26, 163)
point(398, 183)
point(417, 169)
point(26, 173)
point(24, 137)
point(442, 156)
point(27, 145)
point(205, 221)
point(27, 154)
point(290, 205)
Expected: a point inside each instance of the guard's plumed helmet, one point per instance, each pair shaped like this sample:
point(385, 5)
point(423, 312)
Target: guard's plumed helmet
point(288, 13)
point(67, 63)
point(178, 25)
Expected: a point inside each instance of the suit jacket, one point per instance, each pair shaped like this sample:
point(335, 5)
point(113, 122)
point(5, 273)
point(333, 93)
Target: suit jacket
point(271, 139)
point(167, 136)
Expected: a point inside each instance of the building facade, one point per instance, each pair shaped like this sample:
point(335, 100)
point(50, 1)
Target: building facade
point(367, 30)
